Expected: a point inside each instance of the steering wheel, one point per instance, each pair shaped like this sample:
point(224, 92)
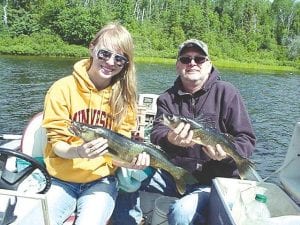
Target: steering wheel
point(12, 179)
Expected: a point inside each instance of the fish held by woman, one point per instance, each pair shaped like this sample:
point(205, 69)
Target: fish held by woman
point(205, 136)
point(124, 149)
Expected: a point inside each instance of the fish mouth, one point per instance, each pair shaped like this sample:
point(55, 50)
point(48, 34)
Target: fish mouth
point(161, 119)
point(166, 119)
point(73, 129)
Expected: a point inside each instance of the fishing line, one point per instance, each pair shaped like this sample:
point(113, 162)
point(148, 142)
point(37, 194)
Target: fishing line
point(265, 179)
point(279, 169)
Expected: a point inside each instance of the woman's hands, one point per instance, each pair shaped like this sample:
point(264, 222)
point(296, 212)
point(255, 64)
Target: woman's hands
point(140, 162)
point(99, 147)
point(93, 148)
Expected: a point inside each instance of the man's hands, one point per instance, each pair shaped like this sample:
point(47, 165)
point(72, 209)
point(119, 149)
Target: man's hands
point(215, 153)
point(182, 136)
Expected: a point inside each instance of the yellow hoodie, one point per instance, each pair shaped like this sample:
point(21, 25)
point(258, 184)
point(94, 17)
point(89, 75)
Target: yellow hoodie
point(75, 98)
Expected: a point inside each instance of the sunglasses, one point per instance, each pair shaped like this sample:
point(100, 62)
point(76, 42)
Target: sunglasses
point(197, 59)
point(105, 55)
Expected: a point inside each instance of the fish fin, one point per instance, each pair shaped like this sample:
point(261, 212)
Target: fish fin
point(252, 174)
point(118, 159)
point(158, 148)
point(183, 179)
point(229, 137)
point(244, 167)
point(180, 185)
point(198, 141)
point(149, 144)
point(190, 179)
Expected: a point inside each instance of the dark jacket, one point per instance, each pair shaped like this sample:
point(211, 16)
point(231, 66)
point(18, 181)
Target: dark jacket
point(219, 104)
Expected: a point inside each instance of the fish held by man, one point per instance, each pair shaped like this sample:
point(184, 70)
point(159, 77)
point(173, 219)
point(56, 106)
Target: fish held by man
point(124, 149)
point(205, 136)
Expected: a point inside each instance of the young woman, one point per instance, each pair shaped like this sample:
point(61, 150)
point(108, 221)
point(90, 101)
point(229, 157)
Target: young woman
point(100, 91)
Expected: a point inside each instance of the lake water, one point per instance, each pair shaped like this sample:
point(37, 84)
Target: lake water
point(273, 100)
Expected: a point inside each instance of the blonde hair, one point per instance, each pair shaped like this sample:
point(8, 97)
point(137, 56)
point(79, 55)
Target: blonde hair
point(123, 99)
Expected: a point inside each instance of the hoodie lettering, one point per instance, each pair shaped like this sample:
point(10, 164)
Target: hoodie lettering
point(94, 114)
point(93, 117)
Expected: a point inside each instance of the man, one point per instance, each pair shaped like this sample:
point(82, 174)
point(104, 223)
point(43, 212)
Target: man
point(199, 94)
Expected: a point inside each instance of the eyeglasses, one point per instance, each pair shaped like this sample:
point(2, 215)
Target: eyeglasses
point(197, 59)
point(105, 55)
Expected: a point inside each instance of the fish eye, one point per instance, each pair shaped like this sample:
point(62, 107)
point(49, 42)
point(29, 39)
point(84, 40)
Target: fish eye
point(172, 118)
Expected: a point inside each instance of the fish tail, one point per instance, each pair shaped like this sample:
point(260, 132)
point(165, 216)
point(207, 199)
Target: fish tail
point(244, 166)
point(189, 178)
point(183, 179)
point(180, 185)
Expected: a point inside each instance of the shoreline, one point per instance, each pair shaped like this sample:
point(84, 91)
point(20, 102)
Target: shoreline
point(220, 63)
point(228, 64)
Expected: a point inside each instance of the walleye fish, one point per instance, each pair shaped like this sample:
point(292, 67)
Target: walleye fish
point(208, 136)
point(125, 149)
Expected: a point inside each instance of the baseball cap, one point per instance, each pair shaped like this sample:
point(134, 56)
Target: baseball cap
point(193, 43)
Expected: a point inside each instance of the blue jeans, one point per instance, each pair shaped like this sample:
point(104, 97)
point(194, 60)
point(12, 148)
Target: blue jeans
point(191, 208)
point(188, 209)
point(94, 202)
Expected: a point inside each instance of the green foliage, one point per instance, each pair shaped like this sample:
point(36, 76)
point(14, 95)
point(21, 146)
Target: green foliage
point(124, 12)
point(194, 24)
point(21, 22)
point(77, 29)
point(77, 24)
point(152, 41)
point(258, 31)
point(39, 44)
point(294, 48)
point(49, 13)
point(285, 14)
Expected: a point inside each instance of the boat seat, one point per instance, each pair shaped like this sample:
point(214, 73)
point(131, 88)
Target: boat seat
point(33, 143)
point(289, 176)
point(34, 138)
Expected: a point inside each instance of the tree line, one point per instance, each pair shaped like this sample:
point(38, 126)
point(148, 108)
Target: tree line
point(243, 30)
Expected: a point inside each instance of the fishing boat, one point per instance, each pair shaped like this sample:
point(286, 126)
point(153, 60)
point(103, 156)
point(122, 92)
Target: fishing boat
point(24, 181)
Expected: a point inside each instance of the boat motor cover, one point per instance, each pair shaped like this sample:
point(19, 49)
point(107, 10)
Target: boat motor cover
point(289, 176)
